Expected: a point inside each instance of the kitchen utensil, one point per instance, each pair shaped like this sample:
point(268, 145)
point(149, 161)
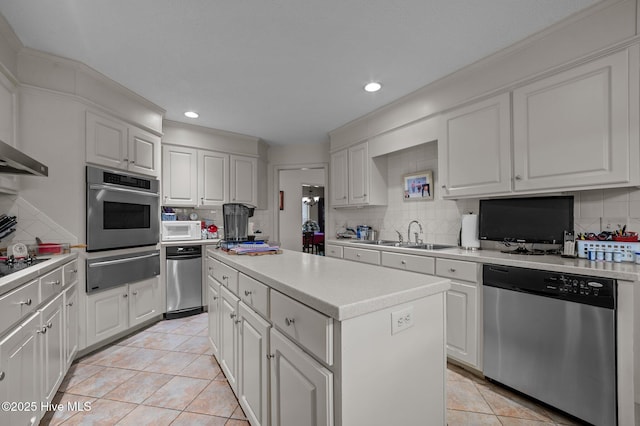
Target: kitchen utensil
point(17, 250)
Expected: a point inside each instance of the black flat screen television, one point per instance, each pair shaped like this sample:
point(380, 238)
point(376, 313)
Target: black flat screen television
point(526, 220)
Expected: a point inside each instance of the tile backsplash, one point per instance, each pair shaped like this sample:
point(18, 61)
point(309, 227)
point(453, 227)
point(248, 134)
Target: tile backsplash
point(594, 210)
point(32, 223)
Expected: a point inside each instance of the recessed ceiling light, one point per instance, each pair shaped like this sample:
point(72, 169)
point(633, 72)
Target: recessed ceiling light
point(191, 114)
point(374, 86)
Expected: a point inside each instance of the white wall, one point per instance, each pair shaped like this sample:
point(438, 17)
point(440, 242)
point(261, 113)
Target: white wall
point(290, 219)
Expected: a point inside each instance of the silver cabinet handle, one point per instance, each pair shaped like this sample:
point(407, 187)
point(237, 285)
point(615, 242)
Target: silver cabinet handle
point(2, 375)
point(444, 186)
point(237, 321)
point(215, 297)
point(27, 302)
point(404, 262)
point(269, 356)
point(70, 304)
point(56, 282)
point(125, 295)
point(518, 177)
point(132, 162)
point(289, 321)
point(247, 292)
point(49, 324)
point(135, 293)
point(42, 330)
point(452, 269)
point(357, 254)
point(232, 315)
point(224, 277)
point(125, 160)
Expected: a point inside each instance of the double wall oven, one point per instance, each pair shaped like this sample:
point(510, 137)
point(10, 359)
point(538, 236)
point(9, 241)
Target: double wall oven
point(122, 212)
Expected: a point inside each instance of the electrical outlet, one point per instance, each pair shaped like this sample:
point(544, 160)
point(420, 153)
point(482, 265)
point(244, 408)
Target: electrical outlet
point(401, 320)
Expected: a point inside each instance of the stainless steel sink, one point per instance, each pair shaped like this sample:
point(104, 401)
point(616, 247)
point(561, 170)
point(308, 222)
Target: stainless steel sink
point(427, 246)
point(389, 243)
point(377, 242)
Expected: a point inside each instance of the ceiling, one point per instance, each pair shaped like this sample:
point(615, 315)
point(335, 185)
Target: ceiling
point(287, 71)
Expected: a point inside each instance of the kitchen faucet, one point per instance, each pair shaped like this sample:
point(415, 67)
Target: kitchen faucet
point(415, 233)
point(399, 236)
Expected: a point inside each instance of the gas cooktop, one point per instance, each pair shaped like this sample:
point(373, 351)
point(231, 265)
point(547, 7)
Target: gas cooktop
point(13, 264)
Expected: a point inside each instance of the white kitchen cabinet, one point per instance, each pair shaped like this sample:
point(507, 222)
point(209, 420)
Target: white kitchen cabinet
point(213, 314)
point(17, 304)
point(362, 255)
point(301, 388)
point(474, 149)
point(20, 371)
point(107, 314)
point(117, 145)
point(213, 178)
point(573, 130)
point(52, 335)
point(339, 178)
point(333, 250)
point(253, 365)
point(71, 318)
point(463, 323)
point(229, 337)
point(144, 300)
point(356, 178)
point(243, 180)
point(179, 176)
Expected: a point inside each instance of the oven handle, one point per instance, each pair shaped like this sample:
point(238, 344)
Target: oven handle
point(124, 260)
point(131, 191)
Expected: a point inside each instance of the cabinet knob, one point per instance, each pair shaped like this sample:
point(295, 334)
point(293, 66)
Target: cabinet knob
point(70, 304)
point(357, 254)
point(237, 321)
point(42, 330)
point(126, 160)
point(132, 162)
point(269, 356)
point(125, 295)
point(1, 375)
point(344, 198)
point(404, 262)
point(452, 269)
point(201, 200)
point(518, 177)
point(215, 297)
point(247, 292)
point(135, 293)
point(224, 277)
point(75, 271)
point(289, 321)
point(56, 282)
point(27, 302)
point(232, 315)
point(49, 324)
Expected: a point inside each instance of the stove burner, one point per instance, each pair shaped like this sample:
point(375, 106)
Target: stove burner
point(13, 264)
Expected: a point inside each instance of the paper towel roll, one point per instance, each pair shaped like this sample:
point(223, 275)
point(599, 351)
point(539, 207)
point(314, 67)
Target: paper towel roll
point(469, 235)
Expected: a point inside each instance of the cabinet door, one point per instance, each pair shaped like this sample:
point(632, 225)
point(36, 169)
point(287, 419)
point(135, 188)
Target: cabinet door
point(52, 336)
point(179, 176)
point(339, 178)
point(253, 375)
point(229, 337)
point(144, 300)
point(20, 369)
point(571, 130)
point(213, 314)
point(301, 388)
point(474, 149)
point(106, 141)
point(462, 336)
point(107, 314)
point(213, 178)
point(244, 180)
point(8, 120)
point(71, 318)
point(358, 171)
point(144, 154)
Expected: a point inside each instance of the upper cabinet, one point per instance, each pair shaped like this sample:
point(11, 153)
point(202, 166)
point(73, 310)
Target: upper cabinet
point(474, 149)
point(118, 145)
point(356, 178)
point(572, 130)
point(196, 177)
point(8, 119)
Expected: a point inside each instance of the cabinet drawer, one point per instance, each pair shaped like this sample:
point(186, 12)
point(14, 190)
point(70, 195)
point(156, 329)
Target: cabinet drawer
point(50, 284)
point(17, 304)
point(70, 273)
point(362, 255)
point(409, 262)
point(306, 326)
point(334, 251)
point(225, 275)
point(457, 269)
point(254, 294)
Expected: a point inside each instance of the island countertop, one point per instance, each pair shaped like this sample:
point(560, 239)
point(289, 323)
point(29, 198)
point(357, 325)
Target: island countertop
point(339, 289)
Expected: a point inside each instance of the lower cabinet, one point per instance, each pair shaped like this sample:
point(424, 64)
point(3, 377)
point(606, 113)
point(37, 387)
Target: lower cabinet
point(301, 388)
point(213, 305)
point(20, 370)
point(253, 365)
point(53, 354)
point(112, 311)
point(229, 336)
point(71, 316)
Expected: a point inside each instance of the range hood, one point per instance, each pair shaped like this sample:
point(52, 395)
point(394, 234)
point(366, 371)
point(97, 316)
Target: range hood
point(15, 162)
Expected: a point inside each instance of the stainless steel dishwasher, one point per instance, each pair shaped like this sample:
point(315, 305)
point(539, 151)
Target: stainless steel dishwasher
point(553, 336)
point(184, 281)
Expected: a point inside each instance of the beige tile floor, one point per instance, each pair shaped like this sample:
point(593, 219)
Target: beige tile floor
point(165, 375)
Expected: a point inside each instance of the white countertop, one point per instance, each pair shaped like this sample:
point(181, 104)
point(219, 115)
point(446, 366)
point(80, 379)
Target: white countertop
point(339, 289)
point(622, 271)
point(15, 280)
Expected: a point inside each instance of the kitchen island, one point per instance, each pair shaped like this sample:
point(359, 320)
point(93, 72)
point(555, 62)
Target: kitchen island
point(306, 339)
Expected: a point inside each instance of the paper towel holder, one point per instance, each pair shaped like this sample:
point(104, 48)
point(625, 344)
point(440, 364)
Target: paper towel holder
point(474, 243)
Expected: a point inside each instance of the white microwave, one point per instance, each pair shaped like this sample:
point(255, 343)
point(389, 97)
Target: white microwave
point(180, 230)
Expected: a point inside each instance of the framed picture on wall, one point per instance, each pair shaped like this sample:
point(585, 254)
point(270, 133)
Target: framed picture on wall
point(418, 186)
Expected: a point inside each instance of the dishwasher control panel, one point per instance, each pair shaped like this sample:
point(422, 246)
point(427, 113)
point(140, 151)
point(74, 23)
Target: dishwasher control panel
point(596, 291)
